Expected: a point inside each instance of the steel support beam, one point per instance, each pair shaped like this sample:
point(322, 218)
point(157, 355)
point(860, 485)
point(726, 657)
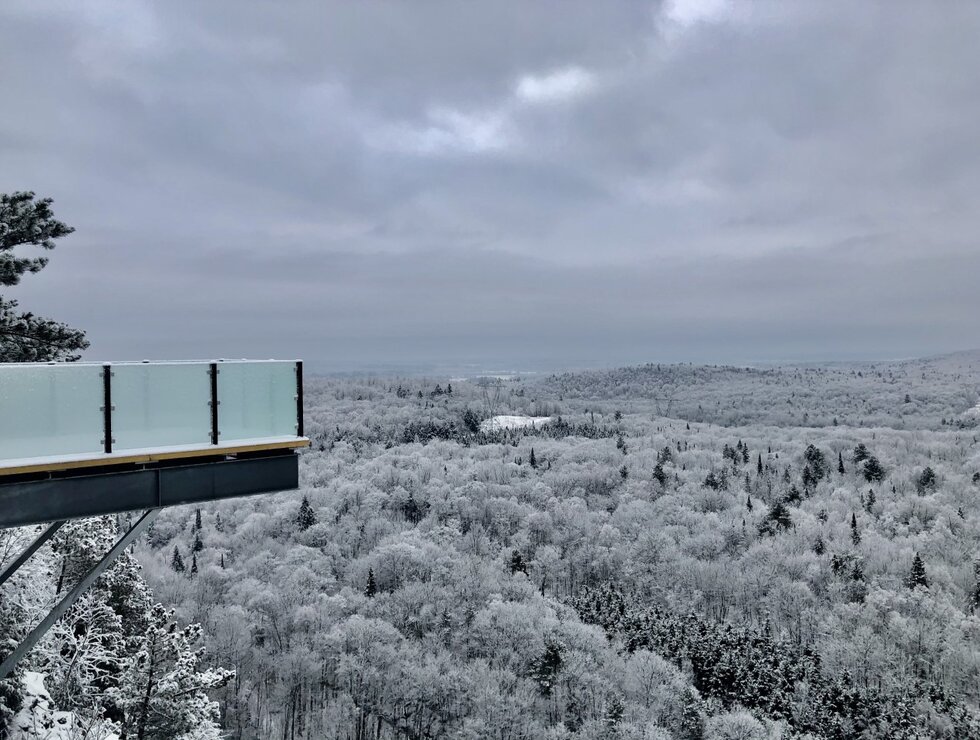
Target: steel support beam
point(28, 643)
point(54, 499)
point(31, 549)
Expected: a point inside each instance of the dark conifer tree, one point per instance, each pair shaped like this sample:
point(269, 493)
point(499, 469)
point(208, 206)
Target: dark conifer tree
point(545, 668)
point(840, 463)
point(532, 459)
point(873, 470)
point(197, 520)
point(306, 517)
point(926, 480)
point(177, 562)
point(24, 337)
point(973, 601)
point(855, 532)
point(614, 711)
point(193, 563)
point(198, 544)
point(758, 465)
point(917, 574)
point(777, 518)
point(371, 588)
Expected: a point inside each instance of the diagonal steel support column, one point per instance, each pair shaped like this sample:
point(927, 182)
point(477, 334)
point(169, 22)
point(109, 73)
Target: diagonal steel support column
point(28, 643)
point(33, 548)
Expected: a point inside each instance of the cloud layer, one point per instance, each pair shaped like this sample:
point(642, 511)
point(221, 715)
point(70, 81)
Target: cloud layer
point(501, 183)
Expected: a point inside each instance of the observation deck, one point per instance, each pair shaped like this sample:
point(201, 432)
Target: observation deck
point(82, 439)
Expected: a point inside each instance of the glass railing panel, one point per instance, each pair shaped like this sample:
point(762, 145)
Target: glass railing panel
point(256, 399)
point(48, 410)
point(161, 405)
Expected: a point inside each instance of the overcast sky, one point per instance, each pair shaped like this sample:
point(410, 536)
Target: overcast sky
point(509, 184)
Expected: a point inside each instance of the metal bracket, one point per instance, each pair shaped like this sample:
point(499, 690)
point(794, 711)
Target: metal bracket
point(28, 643)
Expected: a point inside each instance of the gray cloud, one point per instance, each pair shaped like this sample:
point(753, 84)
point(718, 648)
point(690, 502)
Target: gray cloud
point(543, 183)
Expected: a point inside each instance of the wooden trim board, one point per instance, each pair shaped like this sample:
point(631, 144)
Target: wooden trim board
point(151, 457)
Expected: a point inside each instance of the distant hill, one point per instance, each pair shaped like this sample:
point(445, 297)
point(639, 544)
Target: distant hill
point(927, 393)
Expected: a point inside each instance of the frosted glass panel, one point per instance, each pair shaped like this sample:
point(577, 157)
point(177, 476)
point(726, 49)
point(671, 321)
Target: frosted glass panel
point(160, 405)
point(50, 410)
point(256, 400)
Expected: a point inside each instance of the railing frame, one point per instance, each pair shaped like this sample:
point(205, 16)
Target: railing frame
point(147, 489)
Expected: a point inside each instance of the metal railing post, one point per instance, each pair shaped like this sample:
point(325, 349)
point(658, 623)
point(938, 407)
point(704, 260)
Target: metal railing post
point(107, 408)
point(299, 398)
point(214, 403)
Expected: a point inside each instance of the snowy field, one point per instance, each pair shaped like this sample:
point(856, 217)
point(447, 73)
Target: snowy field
point(496, 423)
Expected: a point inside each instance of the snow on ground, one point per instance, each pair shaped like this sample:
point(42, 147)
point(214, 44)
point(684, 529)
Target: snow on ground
point(497, 423)
point(975, 411)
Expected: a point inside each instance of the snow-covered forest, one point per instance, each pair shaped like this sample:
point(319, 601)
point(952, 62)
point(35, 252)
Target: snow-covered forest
point(783, 552)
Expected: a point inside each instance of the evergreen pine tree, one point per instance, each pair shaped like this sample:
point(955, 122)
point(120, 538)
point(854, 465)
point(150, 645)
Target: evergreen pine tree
point(917, 574)
point(198, 544)
point(692, 718)
point(748, 503)
point(869, 501)
point(371, 588)
point(193, 563)
point(197, 520)
point(855, 532)
point(29, 222)
point(873, 470)
point(777, 518)
point(840, 463)
point(545, 668)
point(517, 563)
point(533, 460)
point(162, 692)
point(973, 600)
point(614, 711)
point(758, 465)
point(306, 517)
point(926, 480)
point(218, 524)
point(177, 562)
point(222, 561)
